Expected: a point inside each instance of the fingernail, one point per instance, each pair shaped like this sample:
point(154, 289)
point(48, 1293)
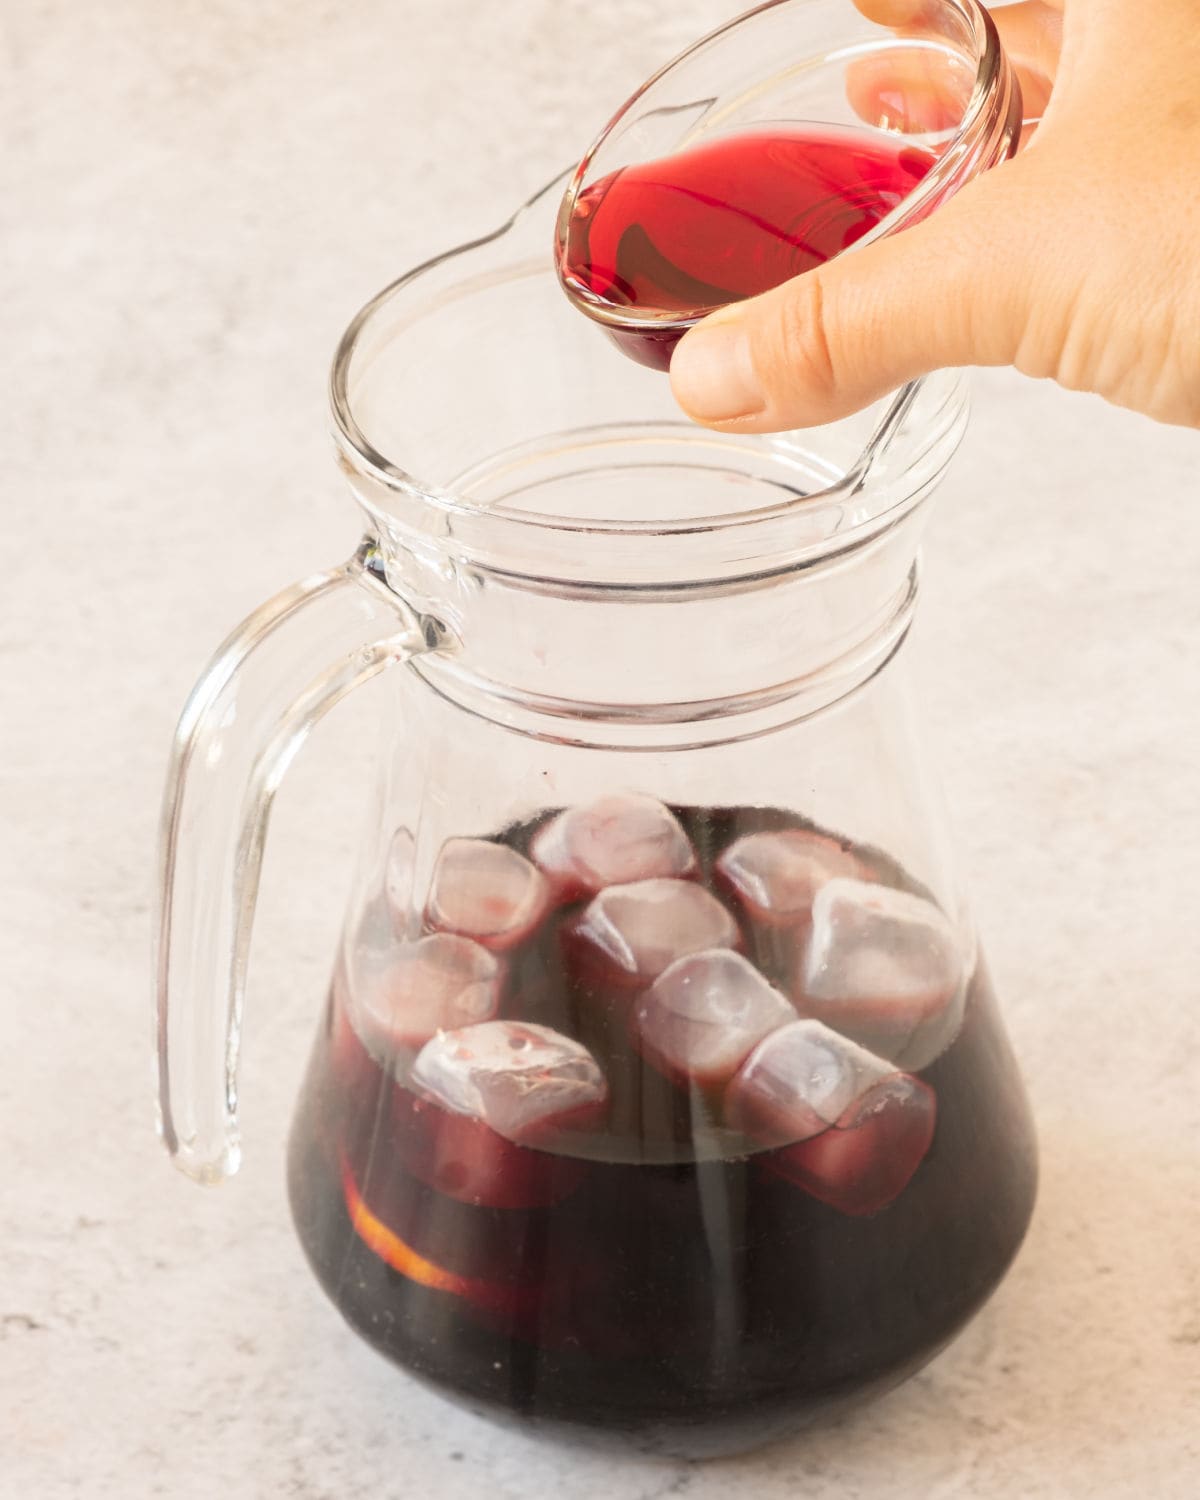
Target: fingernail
point(712, 373)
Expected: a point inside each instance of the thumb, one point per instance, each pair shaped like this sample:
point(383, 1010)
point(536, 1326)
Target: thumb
point(952, 290)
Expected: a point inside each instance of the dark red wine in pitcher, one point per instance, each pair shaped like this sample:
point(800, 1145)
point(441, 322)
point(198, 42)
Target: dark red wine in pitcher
point(723, 220)
point(681, 1125)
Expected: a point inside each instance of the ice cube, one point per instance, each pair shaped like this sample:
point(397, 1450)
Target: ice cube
point(519, 1079)
point(487, 892)
point(614, 840)
point(629, 934)
point(703, 1014)
point(776, 874)
point(847, 1126)
point(868, 1158)
point(483, 1098)
point(883, 966)
point(403, 997)
point(799, 1081)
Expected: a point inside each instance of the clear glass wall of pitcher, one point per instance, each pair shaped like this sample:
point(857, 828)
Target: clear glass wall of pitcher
point(659, 1089)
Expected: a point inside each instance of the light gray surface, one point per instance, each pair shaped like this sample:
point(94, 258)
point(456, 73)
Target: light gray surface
point(198, 196)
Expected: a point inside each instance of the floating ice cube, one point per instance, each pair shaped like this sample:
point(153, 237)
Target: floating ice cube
point(883, 966)
point(487, 892)
point(631, 933)
point(799, 1081)
point(868, 1158)
point(401, 998)
point(482, 1098)
point(520, 1080)
point(856, 1128)
point(704, 1013)
point(612, 841)
point(776, 874)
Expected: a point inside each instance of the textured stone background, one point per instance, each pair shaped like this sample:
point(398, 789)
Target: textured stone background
point(194, 197)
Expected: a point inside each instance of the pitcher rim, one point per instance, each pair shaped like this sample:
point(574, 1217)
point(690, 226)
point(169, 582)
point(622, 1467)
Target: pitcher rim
point(634, 551)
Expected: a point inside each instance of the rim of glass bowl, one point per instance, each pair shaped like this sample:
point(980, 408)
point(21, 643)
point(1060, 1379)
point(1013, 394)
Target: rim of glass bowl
point(979, 117)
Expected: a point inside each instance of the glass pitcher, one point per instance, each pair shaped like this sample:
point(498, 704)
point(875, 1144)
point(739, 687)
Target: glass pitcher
point(659, 1090)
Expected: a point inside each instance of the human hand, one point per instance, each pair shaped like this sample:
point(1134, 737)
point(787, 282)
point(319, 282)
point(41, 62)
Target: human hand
point(1078, 261)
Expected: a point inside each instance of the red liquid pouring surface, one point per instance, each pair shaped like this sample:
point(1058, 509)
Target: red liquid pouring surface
point(727, 219)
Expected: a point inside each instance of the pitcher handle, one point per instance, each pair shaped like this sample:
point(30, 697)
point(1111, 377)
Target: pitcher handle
point(268, 684)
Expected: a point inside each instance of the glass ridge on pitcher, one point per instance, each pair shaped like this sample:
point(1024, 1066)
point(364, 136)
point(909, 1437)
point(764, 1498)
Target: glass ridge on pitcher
point(660, 1092)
